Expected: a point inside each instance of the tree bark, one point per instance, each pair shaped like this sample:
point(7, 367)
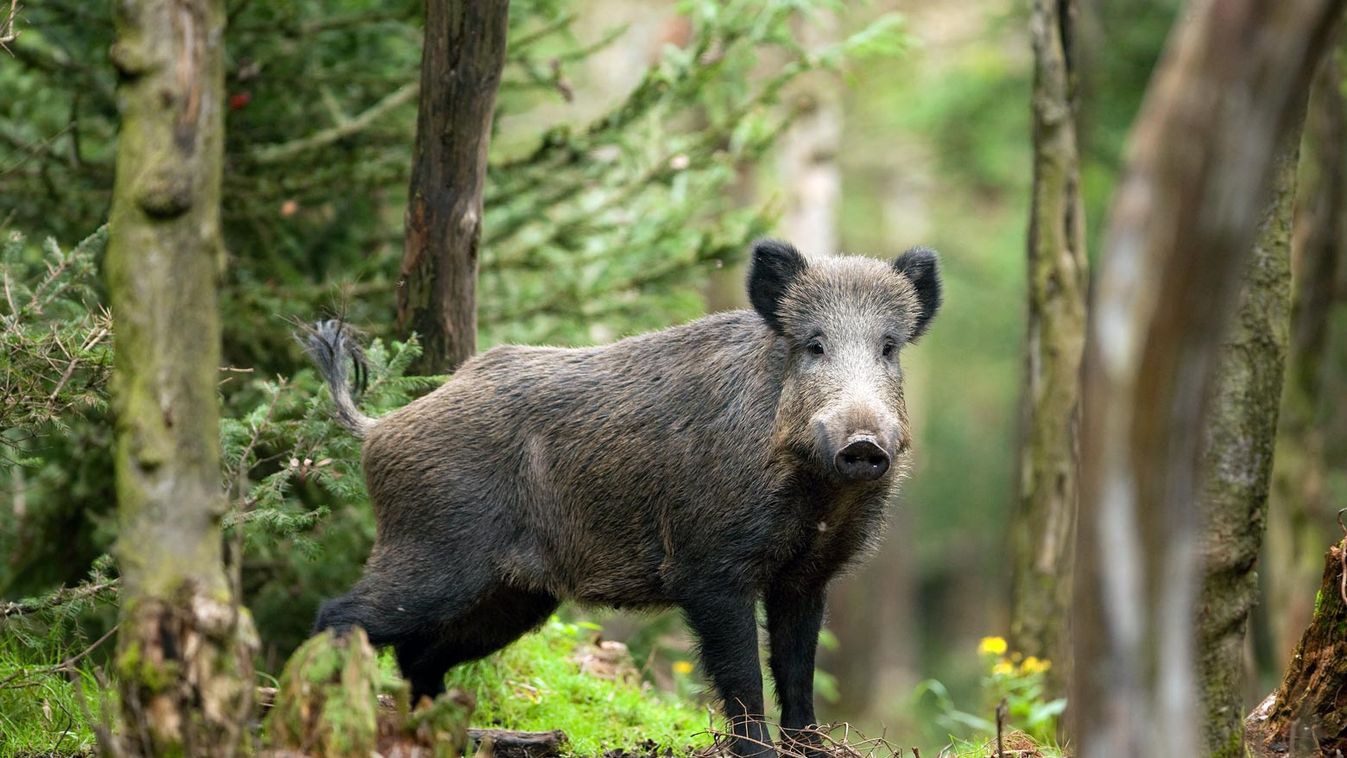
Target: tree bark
point(1307, 715)
point(461, 62)
point(1044, 527)
point(1240, 433)
point(1200, 158)
point(1300, 514)
point(184, 647)
point(807, 153)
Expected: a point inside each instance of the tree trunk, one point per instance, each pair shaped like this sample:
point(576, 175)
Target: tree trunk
point(1044, 526)
point(1200, 158)
point(1241, 430)
point(1299, 512)
point(184, 647)
point(807, 153)
point(1307, 715)
point(461, 61)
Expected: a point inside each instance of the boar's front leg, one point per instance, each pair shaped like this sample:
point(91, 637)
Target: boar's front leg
point(794, 617)
point(725, 624)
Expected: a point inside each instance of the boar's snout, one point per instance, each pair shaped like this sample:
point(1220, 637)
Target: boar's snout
point(861, 459)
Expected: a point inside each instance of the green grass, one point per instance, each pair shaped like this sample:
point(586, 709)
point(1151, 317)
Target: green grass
point(536, 685)
point(40, 711)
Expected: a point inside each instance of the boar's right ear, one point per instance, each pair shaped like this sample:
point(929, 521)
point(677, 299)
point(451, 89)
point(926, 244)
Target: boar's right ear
point(775, 266)
point(921, 265)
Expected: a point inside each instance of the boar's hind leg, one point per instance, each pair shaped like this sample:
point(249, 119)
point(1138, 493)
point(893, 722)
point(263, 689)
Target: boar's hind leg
point(728, 632)
point(794, 617)
point(500, 617)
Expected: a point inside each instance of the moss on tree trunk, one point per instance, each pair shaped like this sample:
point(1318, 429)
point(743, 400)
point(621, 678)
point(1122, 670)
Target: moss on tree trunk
point(1044, 526)
point(1300, 514)
point(461, 61)
point(1240, 435)
point(183, 652)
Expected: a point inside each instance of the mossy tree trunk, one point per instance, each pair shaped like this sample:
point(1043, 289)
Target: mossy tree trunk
point(1199, 166)
point(1307, 715)
point(461, 61)
point(1300, 514)
point(1044, 526)
point(1240, 430)
point(184, 646)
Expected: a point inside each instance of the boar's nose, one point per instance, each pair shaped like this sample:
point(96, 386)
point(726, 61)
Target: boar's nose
point(861, 459)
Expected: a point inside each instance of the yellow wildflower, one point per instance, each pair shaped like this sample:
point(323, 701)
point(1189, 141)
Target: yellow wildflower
point(1035, 665)
point(992, 646)
point(1003, 668)
point(682, 667)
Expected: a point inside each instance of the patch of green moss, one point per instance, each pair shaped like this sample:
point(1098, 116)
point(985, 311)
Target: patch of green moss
point(536, 685)
point(328, 696)
point(154, 677)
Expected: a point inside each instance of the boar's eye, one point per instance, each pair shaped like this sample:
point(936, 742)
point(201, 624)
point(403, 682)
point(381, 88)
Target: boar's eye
point(814, 346)
point(888, 348)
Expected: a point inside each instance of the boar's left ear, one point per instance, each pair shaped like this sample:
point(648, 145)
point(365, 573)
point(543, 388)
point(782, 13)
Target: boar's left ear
point(921, 266)
point(775, 265)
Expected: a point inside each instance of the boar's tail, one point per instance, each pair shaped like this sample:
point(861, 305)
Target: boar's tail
point(332, 346)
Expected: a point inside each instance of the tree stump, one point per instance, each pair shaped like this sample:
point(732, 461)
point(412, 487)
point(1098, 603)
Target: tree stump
point(328, 704)
point(1307, 715)
point(328, 699)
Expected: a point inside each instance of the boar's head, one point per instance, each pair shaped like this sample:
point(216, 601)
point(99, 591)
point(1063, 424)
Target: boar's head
point(844, 321)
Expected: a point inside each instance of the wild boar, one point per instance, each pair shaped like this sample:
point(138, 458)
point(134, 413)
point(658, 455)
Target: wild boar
point(745, 455)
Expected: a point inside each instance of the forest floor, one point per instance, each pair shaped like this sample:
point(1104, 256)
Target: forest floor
point(560, 693)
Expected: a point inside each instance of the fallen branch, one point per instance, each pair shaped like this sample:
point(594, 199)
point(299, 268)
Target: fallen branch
point(507, 743)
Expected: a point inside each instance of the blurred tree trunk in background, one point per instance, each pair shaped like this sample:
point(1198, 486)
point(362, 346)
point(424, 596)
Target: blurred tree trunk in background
point(1241, 430)
point(1200, 159)
point(1300, 515)
point(184, 647)
point(461, 61)
point(807, 167)
point(1044, 526)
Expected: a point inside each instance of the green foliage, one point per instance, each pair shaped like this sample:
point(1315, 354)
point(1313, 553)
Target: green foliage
point(55, 361)
point(538, 684)
point(1008, 678)
point(55, 351)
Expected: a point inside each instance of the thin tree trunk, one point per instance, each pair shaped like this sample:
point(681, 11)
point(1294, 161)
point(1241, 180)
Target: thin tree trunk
point(1299, 509)
point(461, 61)
point(1199, 165)
point(807, 153)
point(184, 647)
point(1241, 430)
point(1044, 527)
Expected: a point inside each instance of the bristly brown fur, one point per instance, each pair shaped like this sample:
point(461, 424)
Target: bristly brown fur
point(695, 466)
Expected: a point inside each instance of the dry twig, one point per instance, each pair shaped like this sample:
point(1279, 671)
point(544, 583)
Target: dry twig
point(7, 31)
